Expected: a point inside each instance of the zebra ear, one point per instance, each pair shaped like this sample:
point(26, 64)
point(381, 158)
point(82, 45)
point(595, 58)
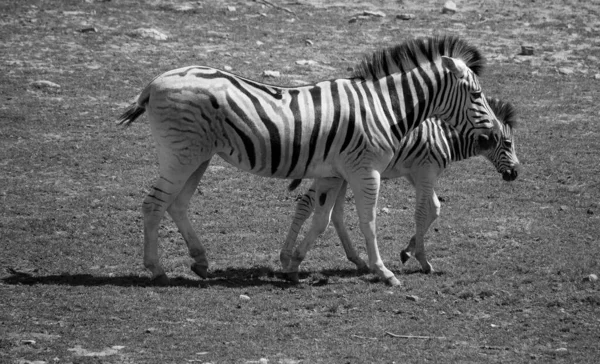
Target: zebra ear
point(456, 66)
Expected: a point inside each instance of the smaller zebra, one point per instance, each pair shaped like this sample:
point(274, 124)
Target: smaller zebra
point(423, 156)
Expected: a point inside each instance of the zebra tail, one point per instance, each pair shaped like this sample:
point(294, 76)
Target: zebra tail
point(136, 109)
point(294, 184)
point(129, 116)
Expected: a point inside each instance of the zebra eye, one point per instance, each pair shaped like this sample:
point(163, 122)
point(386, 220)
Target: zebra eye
point(508, 143)
point(476, 94)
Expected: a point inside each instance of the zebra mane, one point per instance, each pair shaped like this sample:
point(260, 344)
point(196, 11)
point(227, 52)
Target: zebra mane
point(505, 112)
point(412, 53)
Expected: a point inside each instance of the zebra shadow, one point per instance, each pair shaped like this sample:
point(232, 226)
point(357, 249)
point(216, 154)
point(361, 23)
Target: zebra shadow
point(229, 277)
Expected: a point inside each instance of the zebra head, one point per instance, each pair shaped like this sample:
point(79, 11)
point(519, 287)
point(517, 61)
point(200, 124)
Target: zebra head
point(465, 106)
point(504, 156)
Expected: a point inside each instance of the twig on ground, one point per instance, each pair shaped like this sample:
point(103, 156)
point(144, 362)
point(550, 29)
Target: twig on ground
point(415, 336)
point(266, 2)
point(363, 337)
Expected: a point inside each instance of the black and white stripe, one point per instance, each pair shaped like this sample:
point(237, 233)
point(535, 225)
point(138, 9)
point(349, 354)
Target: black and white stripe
point(344, 129)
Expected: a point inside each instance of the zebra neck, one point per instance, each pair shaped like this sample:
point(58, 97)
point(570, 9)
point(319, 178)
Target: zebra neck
point(460, 147)
point(409, 98)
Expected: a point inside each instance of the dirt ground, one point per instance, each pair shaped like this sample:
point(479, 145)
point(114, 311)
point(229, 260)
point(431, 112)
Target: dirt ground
point(516, 263)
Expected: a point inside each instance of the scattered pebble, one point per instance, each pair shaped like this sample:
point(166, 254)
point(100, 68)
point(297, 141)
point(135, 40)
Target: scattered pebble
point(308, 42)
point(566, 71)
point(231, 8)
point(227, 68)
point(243, 297)
point(377, 14)
point(149, 33)
point(306, 62)
point(526, 50)
point(591, 278)
point(405, 16)
point(88, 30)
point(44, 84)
point(274, 74)
point(449, 8)
point(597, 76)
point(412, 298)
point(385, 210)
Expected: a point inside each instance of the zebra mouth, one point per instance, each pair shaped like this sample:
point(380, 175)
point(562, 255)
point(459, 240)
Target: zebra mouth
point(510, 175)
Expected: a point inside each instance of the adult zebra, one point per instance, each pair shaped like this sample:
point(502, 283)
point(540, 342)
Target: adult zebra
point(422, 158)
point(341, 129)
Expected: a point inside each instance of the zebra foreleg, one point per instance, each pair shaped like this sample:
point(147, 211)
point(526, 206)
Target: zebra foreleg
point(366, 191)
point(178, 211)
point(337, 218)
point(327, 190)
point(426, 212)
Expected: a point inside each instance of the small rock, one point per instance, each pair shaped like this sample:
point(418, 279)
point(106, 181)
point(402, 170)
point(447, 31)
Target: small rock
point(308, 42)
point(227, 68)
point(306, 62)
point(28, 342)
point(591, 278)
point(385, 210)
point(377, 14)
point(412, 298)
point(41, 84)
point(526, 50)
point(563, 208)
point(150, 330)
point(273, 74)
point(259, 43)
point(405, 16)
point(231, 8)
point(566, 71)
point(243, 297)
point(449, 8)
point(597, 76)
point(88, 30)
point(149, 33)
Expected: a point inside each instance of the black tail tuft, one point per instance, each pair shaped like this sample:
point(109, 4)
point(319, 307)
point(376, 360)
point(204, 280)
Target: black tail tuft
point(295, 183)
point(129, 116)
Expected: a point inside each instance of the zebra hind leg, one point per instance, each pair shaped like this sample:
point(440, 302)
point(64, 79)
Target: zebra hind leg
point(326, 193)
point(178, 212)
point(164, 192)
point(304, 208)
point(337, 218)
point(426, 212)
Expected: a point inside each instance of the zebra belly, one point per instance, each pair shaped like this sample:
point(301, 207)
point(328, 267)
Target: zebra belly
point(321, 170)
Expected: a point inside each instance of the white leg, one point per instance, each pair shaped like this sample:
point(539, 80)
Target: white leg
point(174, 176)
point(304, 208)
point(327, 190)
point(366, 191)
point(426, 211)
point(178, 211)
point(337, 218)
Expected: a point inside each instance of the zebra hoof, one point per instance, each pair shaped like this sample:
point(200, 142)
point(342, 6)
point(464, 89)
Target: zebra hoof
point(404, 256)
point(161, 280)
point(427, 269)
point(363, 268)
point(200, 269)
point(393, 281)
point(293, 277)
